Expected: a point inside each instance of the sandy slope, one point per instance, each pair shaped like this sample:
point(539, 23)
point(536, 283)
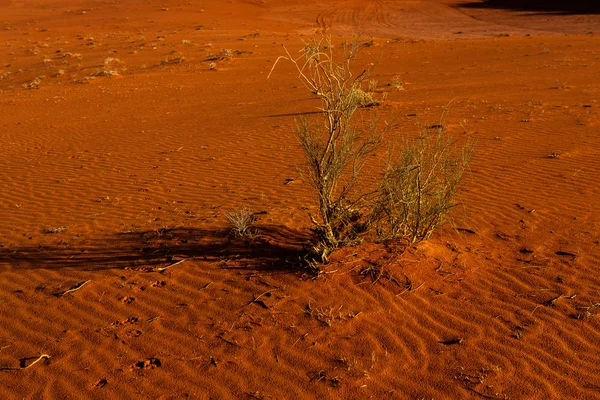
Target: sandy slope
point(108, 179)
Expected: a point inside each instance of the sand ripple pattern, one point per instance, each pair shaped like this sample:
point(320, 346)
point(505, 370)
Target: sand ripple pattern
point(422, 19)
point(116, 263)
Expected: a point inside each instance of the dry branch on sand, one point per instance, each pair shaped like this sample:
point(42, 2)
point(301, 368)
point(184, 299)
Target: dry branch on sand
point(24, 364)
point(418, 187)
point(74, 288)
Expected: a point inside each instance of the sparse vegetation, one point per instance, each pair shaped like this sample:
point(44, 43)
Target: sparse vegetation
point(34, 84)
point(173, 58)
point(224, 54)
point(335, 148)
point(328, 315)
point(112, 66)
point(417, 187)
point(53, 231)
point(397, 83)
point(241, 224)
point(103, 72)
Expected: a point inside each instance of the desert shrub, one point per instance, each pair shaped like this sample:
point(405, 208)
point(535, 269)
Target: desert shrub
point(418, 185)
point(112, 66)
point(34, 84)
point(334, 147)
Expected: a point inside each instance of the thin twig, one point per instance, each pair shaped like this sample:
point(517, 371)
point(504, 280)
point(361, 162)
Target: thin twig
point(168, 266)
point(552, 301)
point(41, 357)
point(74, 288)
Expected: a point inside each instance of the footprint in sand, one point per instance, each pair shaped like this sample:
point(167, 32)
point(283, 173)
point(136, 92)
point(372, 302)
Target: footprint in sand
point(100, 383)
point(134, 333)
point(150, 363)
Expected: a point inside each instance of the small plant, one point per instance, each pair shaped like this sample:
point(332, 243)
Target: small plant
point(111, 68)
point(397, 83)
point(34, 84)
point(104, 72)
point(418, 188)
point(560, 85)
point(173, 58)
point(241, 224)
point(224, 54)
point(53, 231)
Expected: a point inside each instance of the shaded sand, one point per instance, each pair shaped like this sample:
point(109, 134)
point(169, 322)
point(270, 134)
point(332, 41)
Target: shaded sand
point(127, 132)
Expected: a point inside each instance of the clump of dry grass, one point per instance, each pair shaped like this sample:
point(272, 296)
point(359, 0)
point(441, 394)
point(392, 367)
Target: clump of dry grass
point(173, 58)
point(397, 83)
point(55, 230)
point(224, 54)
point(34, 84)
point(103, 72)
point(71, 55)
point(366, 98)
point(241, 224)
point(112, 66)
point(418, 186)
point(335, 148)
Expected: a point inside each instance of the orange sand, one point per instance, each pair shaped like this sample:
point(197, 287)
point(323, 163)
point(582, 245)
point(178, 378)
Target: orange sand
point(110, 178)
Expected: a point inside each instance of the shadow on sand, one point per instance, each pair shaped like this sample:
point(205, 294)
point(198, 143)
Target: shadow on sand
point(277, 249)
point(558, 7)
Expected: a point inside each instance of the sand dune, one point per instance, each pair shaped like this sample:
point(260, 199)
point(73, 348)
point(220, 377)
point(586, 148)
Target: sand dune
point(129, 129)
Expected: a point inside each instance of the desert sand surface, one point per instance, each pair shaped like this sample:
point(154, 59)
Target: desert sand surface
point(129, 128)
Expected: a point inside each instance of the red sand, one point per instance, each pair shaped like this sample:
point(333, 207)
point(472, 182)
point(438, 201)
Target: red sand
point(106, 178)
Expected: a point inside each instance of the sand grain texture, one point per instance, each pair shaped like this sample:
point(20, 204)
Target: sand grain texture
point(130, 128)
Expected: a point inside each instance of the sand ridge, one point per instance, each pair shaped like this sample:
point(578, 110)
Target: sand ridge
point(129, 128)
